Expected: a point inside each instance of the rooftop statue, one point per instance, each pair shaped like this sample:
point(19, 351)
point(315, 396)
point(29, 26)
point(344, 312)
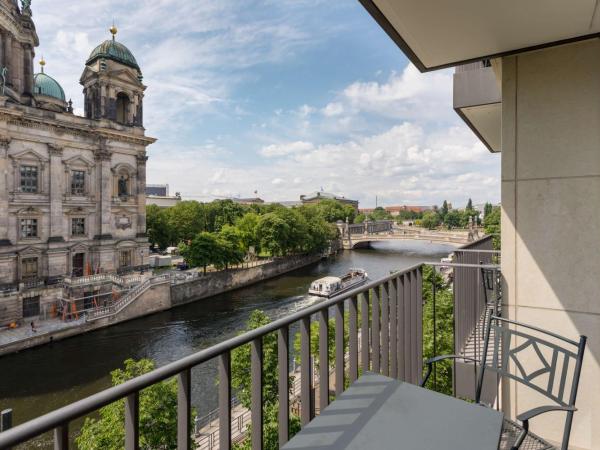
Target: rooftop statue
point(25, 5)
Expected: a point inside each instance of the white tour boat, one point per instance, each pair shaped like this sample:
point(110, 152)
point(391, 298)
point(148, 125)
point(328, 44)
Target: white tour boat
point(330, 286)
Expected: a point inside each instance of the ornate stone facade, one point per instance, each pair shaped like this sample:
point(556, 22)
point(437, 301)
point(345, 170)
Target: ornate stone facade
point(72, 189)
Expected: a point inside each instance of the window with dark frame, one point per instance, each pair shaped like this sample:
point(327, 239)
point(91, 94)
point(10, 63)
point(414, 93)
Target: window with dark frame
point(31, 306)
point(78, 182)
point(29, 179)
point(30, 268)
point(125, 258)
point(29, 228)
point(78, 226)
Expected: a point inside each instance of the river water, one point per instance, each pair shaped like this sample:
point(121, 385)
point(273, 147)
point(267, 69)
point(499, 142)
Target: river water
point(40, 380)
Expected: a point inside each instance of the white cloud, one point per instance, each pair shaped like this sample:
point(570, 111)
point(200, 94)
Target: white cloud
point(275, 150)
point(333, 109)
point(401, 165)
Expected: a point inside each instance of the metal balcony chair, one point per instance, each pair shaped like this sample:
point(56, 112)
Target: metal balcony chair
point(551, 377)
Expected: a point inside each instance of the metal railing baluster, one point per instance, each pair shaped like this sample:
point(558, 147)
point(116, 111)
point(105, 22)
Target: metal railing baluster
point(61, 437)
point(385, 330)
point(353, 340)
point(364, 331)
point(406, 328)
point(419, 337)
point(132, 421)
point(284, 384)
point(400, 326)
point(339, 348)
point(393, 304)
point(184, 409)
point(224, 401)
point(323, 359)
point(375, 332)
point(415, 365)
point(305, 372)
point(256, 402)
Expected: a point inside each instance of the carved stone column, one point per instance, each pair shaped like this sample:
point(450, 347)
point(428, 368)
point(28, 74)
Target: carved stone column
point(2, 61)
point(4, 188)
point(141, 195)
point(28, 70)
point(57, 233)
point(105, 190)
point(8, 62)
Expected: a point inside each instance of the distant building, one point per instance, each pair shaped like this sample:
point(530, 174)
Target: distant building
point(289, 203)
point(316, 197)
point(396, 210)
point(158, 194)
point(249, 201)
point(161, 190)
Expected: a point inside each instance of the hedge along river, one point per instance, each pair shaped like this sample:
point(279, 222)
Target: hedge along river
point(42, 379)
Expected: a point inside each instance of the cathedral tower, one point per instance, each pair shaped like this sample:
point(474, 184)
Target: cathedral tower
point(18, 40)
point(112, 82)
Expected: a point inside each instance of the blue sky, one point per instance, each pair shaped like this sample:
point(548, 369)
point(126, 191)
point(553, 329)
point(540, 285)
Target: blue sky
point(283, 97)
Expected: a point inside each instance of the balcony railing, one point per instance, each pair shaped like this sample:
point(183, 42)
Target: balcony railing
point(385, 335)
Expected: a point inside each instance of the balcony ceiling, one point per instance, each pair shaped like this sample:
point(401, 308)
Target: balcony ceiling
point(442, 33)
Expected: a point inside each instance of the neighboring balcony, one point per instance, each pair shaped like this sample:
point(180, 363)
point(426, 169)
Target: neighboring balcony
point(478, 101)
point(386, 326)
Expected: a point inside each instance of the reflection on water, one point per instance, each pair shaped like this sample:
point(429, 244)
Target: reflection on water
point(39, 380)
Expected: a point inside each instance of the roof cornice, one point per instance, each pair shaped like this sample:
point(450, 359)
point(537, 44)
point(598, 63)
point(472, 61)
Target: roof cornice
point(22, 119)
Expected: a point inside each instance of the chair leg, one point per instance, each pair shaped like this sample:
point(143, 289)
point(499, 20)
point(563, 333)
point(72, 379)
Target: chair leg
point(522, 436)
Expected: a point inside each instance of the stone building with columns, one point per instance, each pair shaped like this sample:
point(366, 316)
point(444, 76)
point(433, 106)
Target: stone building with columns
point(72, 188)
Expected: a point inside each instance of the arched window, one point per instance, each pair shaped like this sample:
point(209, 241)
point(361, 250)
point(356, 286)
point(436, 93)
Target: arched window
point(122, 108)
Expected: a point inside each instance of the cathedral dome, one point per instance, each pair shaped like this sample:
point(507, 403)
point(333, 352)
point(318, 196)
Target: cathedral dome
point(46, 85)
point(115, 51)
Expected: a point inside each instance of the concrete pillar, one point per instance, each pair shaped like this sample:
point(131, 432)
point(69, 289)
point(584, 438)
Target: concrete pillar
point(4, 188)
point(551, 217)
point(57, 189)
point(141, 195)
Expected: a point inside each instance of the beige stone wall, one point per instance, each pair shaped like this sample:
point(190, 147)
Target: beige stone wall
point(551, 212)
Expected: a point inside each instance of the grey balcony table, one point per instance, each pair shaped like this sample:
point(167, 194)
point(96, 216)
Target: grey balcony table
point(381, 413)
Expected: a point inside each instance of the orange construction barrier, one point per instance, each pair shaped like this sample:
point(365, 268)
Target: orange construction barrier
point(74, 310)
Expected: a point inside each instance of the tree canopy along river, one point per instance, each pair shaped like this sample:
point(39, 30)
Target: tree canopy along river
point(42, 379)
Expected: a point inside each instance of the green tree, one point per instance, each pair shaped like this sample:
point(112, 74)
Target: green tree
point(360, 218)
point(186, 220)
point(380, 213)
point(453, 219)
point(444, 211)
point(333, 210)
point(201, 251)
point(273, 233)
point(430, 220)
point(242, 383)
point(157, 227)
point(491, 225)
point(157, 415)
point(469, 205)
point(247, 226)
point(443, 344)
point(229, 247)
point(487, 209)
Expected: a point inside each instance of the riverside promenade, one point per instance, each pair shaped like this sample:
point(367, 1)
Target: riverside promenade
point(152, 294)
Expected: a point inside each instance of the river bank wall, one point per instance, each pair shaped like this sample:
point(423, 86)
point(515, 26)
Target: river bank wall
point(159, 297)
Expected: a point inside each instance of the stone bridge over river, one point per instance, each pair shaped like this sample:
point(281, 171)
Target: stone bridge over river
point(361, 235)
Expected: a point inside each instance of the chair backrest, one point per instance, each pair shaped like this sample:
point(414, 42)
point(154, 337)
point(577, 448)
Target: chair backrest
point(553, 365)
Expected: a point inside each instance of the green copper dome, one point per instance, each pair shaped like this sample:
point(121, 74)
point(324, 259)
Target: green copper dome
point(114, 51)
point(45, 85)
